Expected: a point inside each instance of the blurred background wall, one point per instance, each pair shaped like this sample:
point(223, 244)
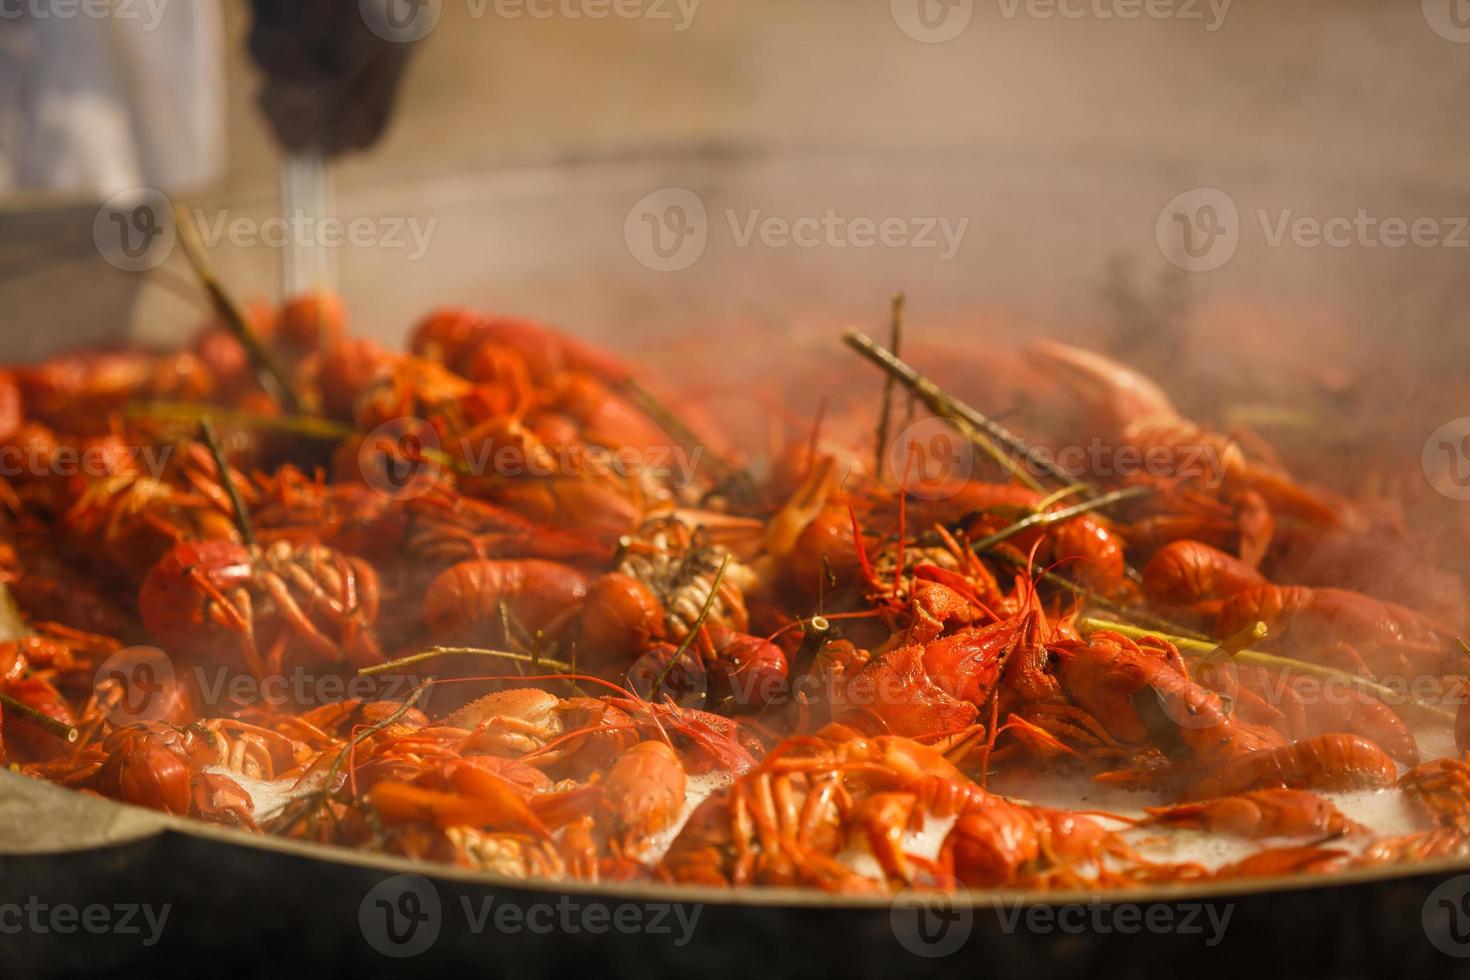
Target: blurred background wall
point(1327, 86)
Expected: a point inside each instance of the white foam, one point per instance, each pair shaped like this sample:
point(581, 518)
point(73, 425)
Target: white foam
point(697, 789)
point(1385, 812)
point(923, 843)
point(268, 798)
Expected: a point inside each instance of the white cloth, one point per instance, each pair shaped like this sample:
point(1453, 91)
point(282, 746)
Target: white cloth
point(100, 96)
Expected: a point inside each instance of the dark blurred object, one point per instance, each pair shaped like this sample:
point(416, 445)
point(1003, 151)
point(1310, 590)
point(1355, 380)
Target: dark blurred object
point(330, 81)
point(269, 913)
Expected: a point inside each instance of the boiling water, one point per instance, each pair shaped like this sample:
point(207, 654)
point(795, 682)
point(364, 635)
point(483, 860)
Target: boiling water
point(1385, 812)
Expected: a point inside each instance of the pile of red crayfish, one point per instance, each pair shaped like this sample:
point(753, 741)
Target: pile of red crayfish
point(494, 601)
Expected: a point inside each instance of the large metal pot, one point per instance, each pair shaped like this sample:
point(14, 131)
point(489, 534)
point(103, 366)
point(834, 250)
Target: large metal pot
point(569, 242)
